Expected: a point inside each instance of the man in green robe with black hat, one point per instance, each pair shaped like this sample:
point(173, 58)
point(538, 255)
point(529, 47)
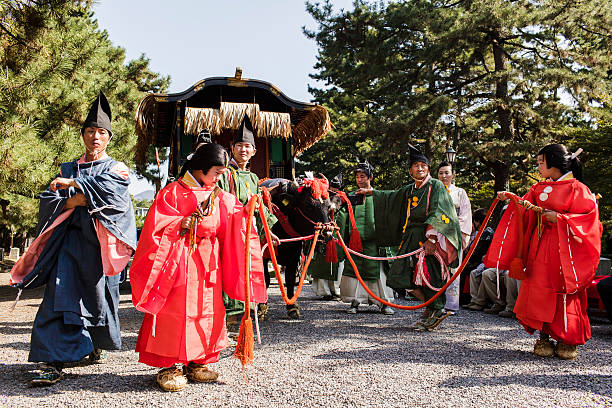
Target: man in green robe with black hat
point(372, 272)
point(420, 214)
point(243, 183)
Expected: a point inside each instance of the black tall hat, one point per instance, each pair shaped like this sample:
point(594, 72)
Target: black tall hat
point(365, 168)
point(416, 155)
point(337, 182)
point(245, 132)
point(99, 114)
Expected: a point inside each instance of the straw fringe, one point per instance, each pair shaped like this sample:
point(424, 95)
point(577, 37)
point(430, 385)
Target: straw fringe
point(274, 124)
point(145, 127)
point(197, 119)
point(230, 117)
point(232, 114)
point(311, 128)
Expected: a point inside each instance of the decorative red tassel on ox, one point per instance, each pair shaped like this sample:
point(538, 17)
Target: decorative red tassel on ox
point(331, 252)
point(318, 188)
point(355, 241)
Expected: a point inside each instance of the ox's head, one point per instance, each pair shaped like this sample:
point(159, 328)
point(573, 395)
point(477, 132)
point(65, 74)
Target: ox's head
point(307, 203)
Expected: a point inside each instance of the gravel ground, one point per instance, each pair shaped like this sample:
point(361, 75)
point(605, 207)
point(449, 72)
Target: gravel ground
point(328, 359)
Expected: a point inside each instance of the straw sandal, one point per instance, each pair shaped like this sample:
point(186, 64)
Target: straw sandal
point(565, 351)
point(200, 373)
point(262, 312)
point(98, 356)
point(419, 325)
point(436, 318)
point(544, 348)
point(293, 311)
point(172, 379)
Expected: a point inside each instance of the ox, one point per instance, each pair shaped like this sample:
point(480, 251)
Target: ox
point(299, 206)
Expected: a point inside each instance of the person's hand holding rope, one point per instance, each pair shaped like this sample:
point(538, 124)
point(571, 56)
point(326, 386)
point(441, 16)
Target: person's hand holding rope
point(275, 240)
point(501, 195)
point(551, 216)
point(364, 191)
point(77, 200)
point(429, 246)
point(186, 223)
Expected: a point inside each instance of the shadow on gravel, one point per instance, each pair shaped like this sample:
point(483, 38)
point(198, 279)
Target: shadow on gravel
point(20, 374)
point(16, 345)
point(8, 293)
point(421, 353)
point(8, 328)
point(595, 383)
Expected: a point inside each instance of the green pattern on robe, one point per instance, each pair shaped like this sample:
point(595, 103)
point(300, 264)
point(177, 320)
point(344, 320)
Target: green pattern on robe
point(246, 184)
point(390, 215)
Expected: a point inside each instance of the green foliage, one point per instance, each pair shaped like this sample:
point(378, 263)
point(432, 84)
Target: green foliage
point(53, 62)
point(597, 159)
point(485, 76)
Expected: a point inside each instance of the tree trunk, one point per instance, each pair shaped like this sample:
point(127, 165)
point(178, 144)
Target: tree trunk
point(501, 172)
point(504, 116)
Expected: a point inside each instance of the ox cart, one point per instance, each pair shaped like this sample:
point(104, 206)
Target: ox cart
point(284, 127)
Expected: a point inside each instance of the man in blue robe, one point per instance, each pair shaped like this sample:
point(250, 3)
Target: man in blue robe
point(86, 235)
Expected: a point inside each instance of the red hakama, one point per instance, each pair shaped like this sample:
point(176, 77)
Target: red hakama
point(560, 260)
point(181, 293)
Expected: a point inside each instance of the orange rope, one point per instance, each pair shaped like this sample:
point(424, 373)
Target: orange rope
point(348, 255)
point(273, 255)
point(443, 288)
point(245, 343)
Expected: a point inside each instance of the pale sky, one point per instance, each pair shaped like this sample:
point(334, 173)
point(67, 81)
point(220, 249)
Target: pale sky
point(191, 40)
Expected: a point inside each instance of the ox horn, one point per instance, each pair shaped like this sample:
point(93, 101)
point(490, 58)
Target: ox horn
point(323, 177)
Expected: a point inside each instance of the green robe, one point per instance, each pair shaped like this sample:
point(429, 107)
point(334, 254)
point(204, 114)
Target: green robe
point(364, 219)
point(319, 268)
point(246, 184)
point(390, 219)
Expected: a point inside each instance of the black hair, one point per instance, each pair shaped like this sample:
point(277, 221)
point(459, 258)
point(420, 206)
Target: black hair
point(205, 157)
point(559, 157)
point(479, 215)
point(444, 164)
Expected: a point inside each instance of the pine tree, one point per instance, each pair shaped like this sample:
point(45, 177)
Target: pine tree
point(490, 77)
point(53, 62)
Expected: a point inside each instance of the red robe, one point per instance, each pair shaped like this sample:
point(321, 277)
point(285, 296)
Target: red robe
point(560, 263)
point(181, 294)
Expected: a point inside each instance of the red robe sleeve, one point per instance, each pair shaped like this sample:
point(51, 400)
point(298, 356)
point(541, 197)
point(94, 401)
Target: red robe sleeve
point(579, 240)
point(233, 240)
point(160, 249)
point(505, 244)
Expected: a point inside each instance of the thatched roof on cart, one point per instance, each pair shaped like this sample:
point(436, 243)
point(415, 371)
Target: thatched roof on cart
point(218, 104)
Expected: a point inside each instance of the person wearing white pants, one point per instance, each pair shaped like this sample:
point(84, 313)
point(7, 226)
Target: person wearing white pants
point(446, 174)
